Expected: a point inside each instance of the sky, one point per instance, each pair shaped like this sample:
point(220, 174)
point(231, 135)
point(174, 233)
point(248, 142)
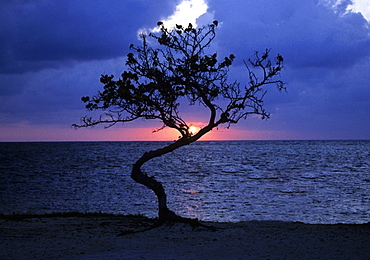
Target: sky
point(53, 52)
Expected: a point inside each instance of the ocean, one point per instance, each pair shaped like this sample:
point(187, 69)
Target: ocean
point(307, 181)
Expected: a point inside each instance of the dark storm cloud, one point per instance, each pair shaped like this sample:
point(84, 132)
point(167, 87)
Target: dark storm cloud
point(41, 34)
point(52, 52)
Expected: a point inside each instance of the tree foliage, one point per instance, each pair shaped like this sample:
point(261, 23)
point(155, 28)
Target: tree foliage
point(157, 79)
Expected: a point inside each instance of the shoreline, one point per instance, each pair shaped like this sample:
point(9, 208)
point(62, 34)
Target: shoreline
point(94, 236)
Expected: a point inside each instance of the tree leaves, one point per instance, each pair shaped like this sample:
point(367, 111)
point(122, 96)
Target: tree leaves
point(158, 78)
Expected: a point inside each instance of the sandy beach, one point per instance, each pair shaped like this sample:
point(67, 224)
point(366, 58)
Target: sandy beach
point(95, 237)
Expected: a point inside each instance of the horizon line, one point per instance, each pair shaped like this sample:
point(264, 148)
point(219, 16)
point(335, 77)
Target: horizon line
point(231, 140)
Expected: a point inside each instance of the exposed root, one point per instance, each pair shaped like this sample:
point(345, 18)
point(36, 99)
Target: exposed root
point(128, 232)
point(170, 218)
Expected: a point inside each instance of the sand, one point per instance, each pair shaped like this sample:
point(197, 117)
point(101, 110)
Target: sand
point(95, 237)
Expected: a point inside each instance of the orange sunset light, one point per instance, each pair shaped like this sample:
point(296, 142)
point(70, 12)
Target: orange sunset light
point(27, 132)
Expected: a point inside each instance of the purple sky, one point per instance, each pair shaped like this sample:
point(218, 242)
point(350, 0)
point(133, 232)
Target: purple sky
point(53, 52)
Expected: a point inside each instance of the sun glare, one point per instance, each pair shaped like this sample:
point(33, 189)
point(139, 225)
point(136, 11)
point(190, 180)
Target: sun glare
point(193, 130)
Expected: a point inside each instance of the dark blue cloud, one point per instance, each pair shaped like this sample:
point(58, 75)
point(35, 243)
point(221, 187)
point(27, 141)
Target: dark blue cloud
point(307, 33)
point(41, 34)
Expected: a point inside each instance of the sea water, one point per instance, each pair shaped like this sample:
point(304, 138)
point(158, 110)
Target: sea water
point(307, 181)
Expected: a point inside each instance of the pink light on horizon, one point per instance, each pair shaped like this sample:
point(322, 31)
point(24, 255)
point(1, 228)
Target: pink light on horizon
point(35, 133)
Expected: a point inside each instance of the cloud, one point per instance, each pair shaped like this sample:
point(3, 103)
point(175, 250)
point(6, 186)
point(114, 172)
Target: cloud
point(46, 34)
point(186, 12)
point(53, 95)
point(363, 7)
point(307, 33)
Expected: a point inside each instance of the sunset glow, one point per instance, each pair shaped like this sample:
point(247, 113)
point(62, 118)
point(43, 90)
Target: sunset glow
point(193, 129)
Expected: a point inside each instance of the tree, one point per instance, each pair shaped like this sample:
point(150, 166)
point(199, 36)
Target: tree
point(158, 79)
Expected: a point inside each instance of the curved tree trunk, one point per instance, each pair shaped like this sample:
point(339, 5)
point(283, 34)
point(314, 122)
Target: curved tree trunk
point(155, 186)
point(140, 177)
point(149, 181)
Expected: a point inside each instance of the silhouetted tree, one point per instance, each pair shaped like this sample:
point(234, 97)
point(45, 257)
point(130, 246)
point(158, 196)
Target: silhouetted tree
point(158, 79)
